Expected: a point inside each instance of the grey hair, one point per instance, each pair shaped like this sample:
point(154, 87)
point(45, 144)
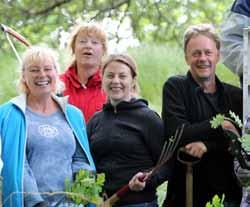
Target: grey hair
point(207, 30)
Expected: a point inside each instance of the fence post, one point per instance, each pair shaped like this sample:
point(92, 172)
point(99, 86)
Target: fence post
point(246, 81)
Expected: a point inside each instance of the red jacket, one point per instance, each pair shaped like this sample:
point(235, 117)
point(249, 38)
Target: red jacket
point(89, 98)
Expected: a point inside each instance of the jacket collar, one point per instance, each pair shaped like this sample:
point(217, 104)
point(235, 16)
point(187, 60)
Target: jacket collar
point(94, 80)
point(219, 85)
point(21, 101)
point(124, 105)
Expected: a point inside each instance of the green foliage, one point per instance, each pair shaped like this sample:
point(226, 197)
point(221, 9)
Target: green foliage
point(155, 65)
point(8, 78)
point(216, 201)
point(151, 21)
point(86, 188)
point(219, 119)
point(236, 119)
point(161, 193)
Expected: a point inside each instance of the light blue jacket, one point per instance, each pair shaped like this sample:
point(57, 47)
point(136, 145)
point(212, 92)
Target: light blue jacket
point(13, 136)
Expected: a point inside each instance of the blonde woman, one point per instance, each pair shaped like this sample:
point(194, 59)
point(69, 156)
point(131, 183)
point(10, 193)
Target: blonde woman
point(43, 137)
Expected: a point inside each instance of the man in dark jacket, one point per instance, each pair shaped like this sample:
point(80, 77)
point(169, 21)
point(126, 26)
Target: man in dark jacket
point(193, 100)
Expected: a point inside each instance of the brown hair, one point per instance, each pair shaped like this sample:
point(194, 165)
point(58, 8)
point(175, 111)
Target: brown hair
point(127, 60)
point(207, 30)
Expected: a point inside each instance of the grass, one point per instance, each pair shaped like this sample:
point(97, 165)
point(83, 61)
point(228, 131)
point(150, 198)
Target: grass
point(8, 76)
point(158, 62)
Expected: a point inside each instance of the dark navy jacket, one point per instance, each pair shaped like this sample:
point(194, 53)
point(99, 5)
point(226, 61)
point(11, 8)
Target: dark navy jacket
point(241, 7)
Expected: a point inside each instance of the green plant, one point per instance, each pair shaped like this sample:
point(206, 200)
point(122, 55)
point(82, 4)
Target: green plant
point(86, 188)
point(218, 120)
point(216, 201)
point(161, 192)
point(239, 147)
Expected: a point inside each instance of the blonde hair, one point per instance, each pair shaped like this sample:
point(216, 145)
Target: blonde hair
point(127, 60)
point(207, 30)
point(38, 53)
point(88, 29)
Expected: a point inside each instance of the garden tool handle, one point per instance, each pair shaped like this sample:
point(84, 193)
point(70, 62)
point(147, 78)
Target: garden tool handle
point(124, 189)
point(15, 34)
point(189, 185)
point(189, 162)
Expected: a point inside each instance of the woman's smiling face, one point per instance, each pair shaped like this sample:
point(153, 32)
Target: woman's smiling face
point(118, 82)
point(40, 76)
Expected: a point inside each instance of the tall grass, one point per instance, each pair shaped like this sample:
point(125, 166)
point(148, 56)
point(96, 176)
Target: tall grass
point(9, 67)
point(158, 62)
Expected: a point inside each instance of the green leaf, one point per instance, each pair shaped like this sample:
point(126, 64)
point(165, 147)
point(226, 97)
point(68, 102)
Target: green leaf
point(236, 119)
point(217, 121)
point(87, 185)
point(67, 185)
point(216, 201)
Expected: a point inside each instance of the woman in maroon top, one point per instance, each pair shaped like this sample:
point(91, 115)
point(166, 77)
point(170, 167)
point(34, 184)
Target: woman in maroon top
point(82, 78)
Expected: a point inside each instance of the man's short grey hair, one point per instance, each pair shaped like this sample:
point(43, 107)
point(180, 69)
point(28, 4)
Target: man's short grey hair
point(207, 30)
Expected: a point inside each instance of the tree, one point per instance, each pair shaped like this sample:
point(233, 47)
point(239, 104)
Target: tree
point(150, 20)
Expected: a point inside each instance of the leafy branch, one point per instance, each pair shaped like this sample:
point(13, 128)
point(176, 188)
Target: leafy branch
point(239, 147)
point(216, 201)
point(86, 188)
point(219, 119)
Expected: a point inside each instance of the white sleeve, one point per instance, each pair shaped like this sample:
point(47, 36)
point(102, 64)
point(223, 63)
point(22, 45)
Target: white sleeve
point(232, 41)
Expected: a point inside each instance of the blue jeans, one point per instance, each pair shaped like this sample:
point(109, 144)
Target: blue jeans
point(146, 204)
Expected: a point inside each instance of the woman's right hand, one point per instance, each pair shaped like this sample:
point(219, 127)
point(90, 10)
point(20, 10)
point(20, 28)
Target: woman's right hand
point(138, 181)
